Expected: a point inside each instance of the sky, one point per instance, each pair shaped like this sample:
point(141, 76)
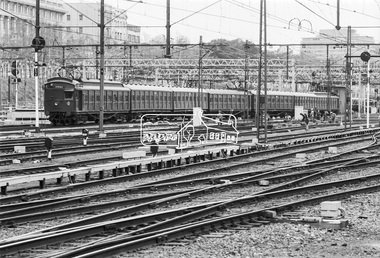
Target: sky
point(288, 21)
point(231, 19)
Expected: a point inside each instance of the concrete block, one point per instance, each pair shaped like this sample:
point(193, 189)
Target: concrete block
point(16, 161)
point(135, 154)
point(332, 150)
point(255, 141)
point(264, 182)
point(19, 149)
point(171, 151)
point(331, 209)
point(269, 214)
point(102, 135)
point(311, 219)
point(301, 156)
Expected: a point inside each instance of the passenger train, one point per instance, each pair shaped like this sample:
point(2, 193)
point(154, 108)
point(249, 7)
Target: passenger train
point(69, 101)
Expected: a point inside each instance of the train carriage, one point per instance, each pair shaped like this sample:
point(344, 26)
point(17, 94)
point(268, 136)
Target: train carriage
point(185, 99)
point(116, 101)
point(59, 100)
point(228, 101)
point(70, 102)
point(147, 99)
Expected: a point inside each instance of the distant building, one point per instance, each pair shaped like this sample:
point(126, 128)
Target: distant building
point(17, 19)
point(82, 19)
point(63, 23)
point(336, 52)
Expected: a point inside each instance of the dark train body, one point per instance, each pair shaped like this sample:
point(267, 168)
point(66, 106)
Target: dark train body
point(70, 102)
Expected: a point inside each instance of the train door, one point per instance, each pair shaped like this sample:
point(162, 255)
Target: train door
point(97, 102)
point(119, 99)
point(143, 100)
point(109, 100)
point(78, 100)
point(166, 100)
point(212, 102)
point(85, 94)
point(105, 99)
point(148, 100)
point(126, 100)
point(115, 101)
point(161, 100)
point(138, 100)
point(91, 100)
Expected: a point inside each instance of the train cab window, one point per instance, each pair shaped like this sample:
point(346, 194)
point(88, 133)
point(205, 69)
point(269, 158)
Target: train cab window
point(69, 94)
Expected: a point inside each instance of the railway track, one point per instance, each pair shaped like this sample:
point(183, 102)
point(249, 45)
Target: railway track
point(286, 150)
point(217, 202)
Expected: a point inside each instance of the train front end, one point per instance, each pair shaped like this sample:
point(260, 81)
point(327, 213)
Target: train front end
point(59, 101)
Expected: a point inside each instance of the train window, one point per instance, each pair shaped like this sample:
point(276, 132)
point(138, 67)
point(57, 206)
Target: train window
point(115, 96)
point(143, 96)
point(69, 94)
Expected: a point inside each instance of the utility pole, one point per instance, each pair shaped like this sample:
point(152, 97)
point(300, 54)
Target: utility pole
point(348, 111)
point(258, 95)
point(200, 90)
point(101, 111)
point(38, 43)
point(328, 80)
point(246, 47)
point(167, 55)
point(265, 71)
point(36, 65)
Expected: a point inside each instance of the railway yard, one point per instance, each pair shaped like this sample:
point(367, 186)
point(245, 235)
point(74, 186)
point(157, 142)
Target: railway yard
point(237, 200)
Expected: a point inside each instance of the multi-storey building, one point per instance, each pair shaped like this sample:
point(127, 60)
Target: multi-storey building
point(62, 23)
point(82, 19)
point(17, 21)
point(332, 44)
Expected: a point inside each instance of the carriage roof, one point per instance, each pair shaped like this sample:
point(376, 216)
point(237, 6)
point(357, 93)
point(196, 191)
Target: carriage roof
point(229, 92)
point(148, 87)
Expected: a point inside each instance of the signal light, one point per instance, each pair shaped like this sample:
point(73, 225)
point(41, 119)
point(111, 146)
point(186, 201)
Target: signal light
point(14, 68)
